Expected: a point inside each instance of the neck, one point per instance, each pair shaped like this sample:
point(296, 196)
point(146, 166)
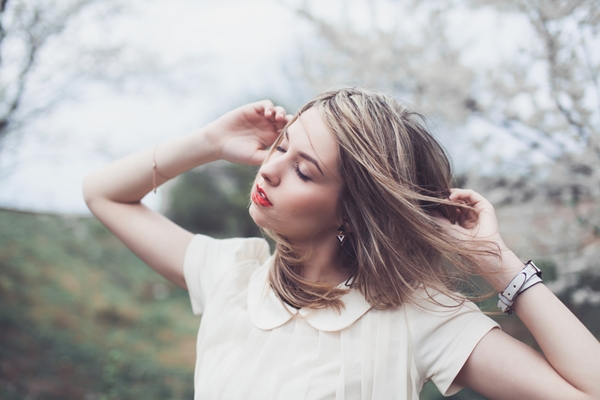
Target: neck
point(323, 264)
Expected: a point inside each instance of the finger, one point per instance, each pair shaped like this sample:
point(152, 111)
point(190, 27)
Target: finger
point(265, 107)
point(279, 118)
point(456, 194)
point(467, 196)
point(279, 113)
point(455, 230)
point(279, 125)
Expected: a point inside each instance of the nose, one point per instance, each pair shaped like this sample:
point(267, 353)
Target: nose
point(270, 171)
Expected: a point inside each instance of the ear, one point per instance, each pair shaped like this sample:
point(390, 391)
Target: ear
point(345, 226)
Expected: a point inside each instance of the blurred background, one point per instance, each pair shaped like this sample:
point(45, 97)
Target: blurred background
point(511, 88)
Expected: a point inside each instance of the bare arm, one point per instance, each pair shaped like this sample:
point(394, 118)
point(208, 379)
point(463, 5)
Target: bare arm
point(114, 192)
point(500, 367)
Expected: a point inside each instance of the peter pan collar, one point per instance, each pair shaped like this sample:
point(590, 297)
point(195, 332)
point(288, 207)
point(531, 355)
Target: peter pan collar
point(267, 311)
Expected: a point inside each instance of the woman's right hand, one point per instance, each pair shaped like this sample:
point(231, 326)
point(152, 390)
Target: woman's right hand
point(114, 192)
point(244, 135)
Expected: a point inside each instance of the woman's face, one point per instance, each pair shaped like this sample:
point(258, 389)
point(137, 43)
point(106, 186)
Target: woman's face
point(296, 190)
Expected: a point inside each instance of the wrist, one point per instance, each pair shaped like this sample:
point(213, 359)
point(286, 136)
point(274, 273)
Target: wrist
point(528, 277)
point(509, 265)
point(182, 154)
point(207, 142)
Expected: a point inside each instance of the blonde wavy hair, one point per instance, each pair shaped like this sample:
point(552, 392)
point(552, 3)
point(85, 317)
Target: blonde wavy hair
point(396, 181)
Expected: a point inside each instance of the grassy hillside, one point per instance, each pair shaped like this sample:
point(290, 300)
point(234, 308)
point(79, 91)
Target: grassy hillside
point(82, 318)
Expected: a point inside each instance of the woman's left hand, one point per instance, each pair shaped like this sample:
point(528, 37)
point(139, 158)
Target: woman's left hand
point(499, 265)
point(500, 366)
point(479, 223)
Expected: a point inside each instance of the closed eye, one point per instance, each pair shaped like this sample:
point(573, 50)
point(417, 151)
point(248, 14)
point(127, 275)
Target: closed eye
point(300, 174)
point(296, 167)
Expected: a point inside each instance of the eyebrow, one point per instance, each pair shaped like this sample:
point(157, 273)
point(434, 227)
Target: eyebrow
point(305, 156)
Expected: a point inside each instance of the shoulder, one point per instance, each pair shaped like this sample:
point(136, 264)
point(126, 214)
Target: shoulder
point(444, 330)
point(205, 249)
point(431, 312)
point(208, 261)
point(435, 303)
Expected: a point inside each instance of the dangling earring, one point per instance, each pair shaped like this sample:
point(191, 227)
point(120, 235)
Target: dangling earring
point(341, 236)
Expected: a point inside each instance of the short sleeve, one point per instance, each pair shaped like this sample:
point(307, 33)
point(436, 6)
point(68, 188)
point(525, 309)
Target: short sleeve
point(443, 336)
point(207, 260)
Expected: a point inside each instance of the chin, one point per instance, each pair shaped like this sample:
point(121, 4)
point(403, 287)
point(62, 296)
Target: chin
point(263, 221)
point(257, 217)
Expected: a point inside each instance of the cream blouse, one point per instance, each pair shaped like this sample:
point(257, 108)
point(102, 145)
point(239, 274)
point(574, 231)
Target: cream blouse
point(251, 345)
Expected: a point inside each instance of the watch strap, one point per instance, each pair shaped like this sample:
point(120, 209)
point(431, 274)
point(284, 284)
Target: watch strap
point(530, 275)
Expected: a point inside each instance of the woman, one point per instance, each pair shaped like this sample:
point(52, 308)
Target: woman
point(358, 300)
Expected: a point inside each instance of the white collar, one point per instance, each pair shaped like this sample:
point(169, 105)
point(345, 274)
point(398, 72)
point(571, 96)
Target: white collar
point(267, 311)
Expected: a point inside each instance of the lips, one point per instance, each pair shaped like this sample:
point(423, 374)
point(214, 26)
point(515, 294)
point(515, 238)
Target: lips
point(260, 197)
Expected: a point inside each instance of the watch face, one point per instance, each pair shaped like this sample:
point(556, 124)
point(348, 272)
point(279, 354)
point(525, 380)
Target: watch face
point(539, 271)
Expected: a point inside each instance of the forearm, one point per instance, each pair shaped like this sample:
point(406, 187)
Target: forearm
point(129, 179)
point(114, 192)
point(568, 346)
point(501, 367)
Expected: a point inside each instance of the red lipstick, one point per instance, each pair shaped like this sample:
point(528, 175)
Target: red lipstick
point(260, 197)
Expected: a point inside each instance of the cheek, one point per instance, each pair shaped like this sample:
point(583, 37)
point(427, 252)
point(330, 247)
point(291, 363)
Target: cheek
point(319, 205)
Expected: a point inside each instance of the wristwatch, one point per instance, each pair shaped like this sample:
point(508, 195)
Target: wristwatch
point(530, 275)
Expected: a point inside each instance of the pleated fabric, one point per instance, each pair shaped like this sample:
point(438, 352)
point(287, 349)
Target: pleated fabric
point(253, 346)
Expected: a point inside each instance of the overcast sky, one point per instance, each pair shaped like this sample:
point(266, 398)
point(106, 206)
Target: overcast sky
point(222, 52)
point(204, 58)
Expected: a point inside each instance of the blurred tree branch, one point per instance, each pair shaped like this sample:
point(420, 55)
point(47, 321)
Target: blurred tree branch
point(32, 25)
point(545, 92)
point(420, 64)
point(46, 47)
point(564, 95)
point(549, 96)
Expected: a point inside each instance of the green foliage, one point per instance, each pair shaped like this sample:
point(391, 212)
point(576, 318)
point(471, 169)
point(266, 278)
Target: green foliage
point(549, 270)
point(82, 317)
point(214, 201)
point(574, 297)
point(430, 392)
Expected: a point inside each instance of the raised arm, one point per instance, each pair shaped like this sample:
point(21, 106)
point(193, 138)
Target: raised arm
point(500, 367)
point(114, 192)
